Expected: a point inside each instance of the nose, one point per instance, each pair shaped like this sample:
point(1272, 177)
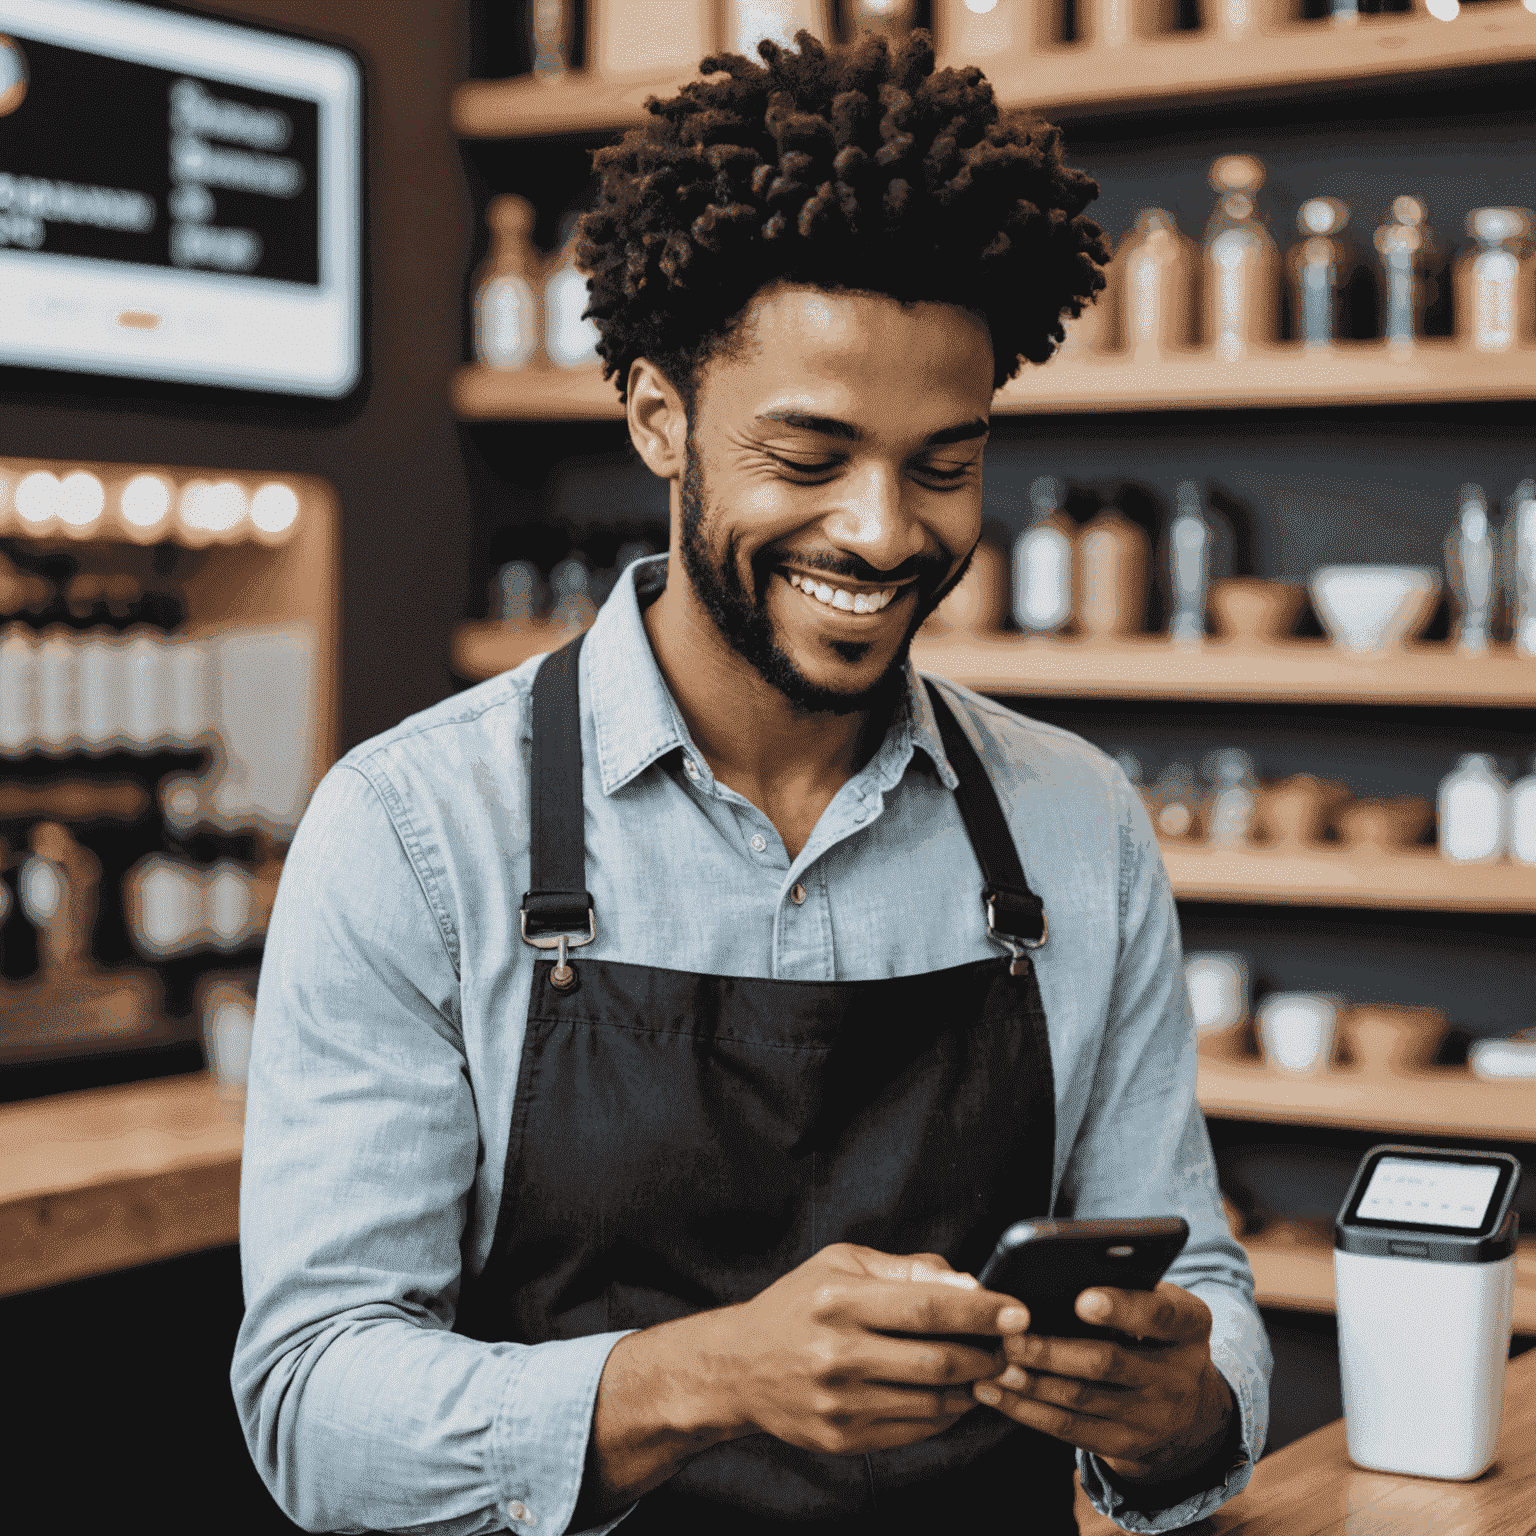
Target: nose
point(874, 518)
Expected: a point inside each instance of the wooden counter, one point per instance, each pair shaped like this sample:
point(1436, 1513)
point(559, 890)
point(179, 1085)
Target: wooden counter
point(112, 1177)
point(1310, 1487)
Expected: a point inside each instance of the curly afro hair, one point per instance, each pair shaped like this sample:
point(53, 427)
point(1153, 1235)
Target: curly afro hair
point(844, 168)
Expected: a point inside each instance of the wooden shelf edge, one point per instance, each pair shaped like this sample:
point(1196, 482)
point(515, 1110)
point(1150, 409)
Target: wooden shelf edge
point(1157, 71)
point(1299, 1278)
point(1444, 1101)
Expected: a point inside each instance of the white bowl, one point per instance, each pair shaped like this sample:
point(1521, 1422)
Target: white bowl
point(1297, 1030)
point(1374, 607)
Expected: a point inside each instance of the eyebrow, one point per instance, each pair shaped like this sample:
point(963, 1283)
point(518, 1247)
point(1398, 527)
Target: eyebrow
point(830, 426)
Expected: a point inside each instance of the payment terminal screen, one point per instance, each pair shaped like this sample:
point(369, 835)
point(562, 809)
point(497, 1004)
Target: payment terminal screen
point(1429, 1194)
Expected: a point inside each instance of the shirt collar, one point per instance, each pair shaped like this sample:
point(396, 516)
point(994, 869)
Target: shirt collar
point(637, 721)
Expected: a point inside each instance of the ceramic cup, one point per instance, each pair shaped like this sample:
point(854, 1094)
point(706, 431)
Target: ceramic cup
point(1297, 1030)
point(1294, 812)
point(1382, 826)
point(1388, 1041)
point(1249, 610)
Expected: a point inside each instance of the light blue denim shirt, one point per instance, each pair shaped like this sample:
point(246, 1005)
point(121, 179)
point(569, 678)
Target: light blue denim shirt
point(389, 1030)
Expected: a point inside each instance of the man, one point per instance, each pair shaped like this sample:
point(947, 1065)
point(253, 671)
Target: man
point(653, 1041)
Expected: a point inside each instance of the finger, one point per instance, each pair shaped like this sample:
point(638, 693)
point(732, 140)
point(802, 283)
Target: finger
point(1170, 1313)
point(933, 1267)
point(1090, 1398)
point(925, 1307)
point(920, 1362)
point(882, 1402)
point(1103, 1437)
point(1085, 1359)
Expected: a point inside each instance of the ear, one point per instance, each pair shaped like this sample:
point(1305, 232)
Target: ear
point(658, 423)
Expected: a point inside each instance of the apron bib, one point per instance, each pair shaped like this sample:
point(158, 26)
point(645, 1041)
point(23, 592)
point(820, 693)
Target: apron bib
point(681, 1141)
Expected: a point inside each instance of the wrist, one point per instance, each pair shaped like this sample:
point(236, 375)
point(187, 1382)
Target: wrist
point(1187, 1460)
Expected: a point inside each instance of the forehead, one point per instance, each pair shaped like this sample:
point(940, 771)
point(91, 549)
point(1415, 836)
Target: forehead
point(855, 353)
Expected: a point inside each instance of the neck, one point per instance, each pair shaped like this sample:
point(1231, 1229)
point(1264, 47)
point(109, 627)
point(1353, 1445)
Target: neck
point(786, 762)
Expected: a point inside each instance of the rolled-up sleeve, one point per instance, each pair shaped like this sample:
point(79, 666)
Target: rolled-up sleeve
point(1143, 1148)
point(361, 1408)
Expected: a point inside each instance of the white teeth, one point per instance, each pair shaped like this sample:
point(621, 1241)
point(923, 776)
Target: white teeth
point(836, 597)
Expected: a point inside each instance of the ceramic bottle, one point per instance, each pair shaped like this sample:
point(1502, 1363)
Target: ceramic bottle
point(569, 341)
point(1409, 255)
point(1231, 775)
point(1159, 269)
point(1241, 269)
point(1472, 811)
point(1520, 566)
point(1042, 562)
point(1190, 548)
point(1522, 818)
point(1322, 265)
point(1470, 566)
point(1493, 281)
point(1111, 576)
point(506, 309)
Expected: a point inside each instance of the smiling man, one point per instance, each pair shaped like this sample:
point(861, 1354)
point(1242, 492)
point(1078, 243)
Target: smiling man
point(654, 1041)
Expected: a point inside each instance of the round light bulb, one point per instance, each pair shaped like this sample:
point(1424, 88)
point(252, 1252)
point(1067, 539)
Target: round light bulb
point(146, 501)
point(38, 497)
point(980, 7)
point(224, 506)
point(81, 499)
point(1444, 10)
point(274, 508)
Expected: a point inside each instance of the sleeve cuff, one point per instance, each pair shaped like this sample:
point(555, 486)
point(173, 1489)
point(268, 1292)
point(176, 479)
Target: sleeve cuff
point(542, 1431)
point(1229, 1474)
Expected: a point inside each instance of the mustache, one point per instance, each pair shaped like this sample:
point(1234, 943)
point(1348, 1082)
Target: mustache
point(929, 570)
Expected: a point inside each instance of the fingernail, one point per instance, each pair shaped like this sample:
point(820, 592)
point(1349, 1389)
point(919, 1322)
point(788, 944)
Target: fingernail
point(1010, 1319)
point(1013, 1378)
point(988, 1393)
point(1095, 1302)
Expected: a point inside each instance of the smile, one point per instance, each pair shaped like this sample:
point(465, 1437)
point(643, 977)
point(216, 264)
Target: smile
point(839, 597)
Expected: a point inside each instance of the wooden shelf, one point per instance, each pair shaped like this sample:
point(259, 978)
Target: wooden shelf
point(1444, 1101)
point(1417, 879)
point(113, 1177)
point(1354, 373)
point(1293, 671)
point(1147, 667)
point(1156, 72)
point(1299, 1278)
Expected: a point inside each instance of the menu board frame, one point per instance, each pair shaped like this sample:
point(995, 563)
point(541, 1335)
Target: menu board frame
point(185, 321)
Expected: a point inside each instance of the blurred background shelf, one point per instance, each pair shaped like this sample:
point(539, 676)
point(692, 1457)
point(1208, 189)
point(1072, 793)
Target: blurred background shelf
point(1414, 879)
point(1299, 1277)
point(112, 1177)
point(1147, 72)
point(1446, 1101)
point(1351, 373)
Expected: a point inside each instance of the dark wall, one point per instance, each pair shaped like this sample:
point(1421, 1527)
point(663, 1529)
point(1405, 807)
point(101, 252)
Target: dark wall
point(393, 455)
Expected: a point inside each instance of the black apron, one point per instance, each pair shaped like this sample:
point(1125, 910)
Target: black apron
point(679, 1142)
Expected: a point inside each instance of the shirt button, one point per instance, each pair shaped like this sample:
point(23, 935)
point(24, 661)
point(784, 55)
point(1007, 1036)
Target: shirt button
point(797, 894)
point(759, 842)
point(690, 768)
point(520, 1511)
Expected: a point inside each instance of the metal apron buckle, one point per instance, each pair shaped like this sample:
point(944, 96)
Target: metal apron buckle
point(1015, 946)
point(563, 977)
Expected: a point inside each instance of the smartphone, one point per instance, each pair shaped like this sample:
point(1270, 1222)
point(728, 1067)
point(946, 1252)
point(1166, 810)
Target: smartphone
point(1048, 1264)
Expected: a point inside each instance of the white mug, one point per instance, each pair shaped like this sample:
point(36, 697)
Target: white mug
point(1297, 1029)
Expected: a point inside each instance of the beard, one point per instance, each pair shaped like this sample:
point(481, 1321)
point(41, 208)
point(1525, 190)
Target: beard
point(743, 620)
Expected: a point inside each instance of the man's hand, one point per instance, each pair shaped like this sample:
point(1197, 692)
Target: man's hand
point(1152, 1410)
point(823, 1363)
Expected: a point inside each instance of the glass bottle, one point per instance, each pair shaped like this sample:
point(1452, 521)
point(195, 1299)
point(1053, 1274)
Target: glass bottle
point(1159, 271)
point(569, 341)
point(1409, 255)
point(1042, 562)
point(749, 21)
point(1522, 818)
point(1520, 566)
point(516, 592)
point(1190, 549)
point(889, 18)
point(1493, 288)
point(1242, 265)
point(574, 608)
point(1472, 811)
point(506, 311)
point(551, 32)
point(1111, 564)
point(1322, 267)
point(1469, 564)
point(1231, 775)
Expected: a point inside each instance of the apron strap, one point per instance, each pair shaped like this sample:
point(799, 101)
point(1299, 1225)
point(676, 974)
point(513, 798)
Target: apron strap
point(557, 852)
point(1015, 915)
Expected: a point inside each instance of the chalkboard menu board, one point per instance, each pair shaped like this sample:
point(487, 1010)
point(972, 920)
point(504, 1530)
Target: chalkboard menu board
point(179, 199)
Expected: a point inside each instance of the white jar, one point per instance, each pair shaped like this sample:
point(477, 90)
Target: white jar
point(1522, 818)
point(1473, 812)
point(1042, 562)
point(58, 703)
point(18, 692)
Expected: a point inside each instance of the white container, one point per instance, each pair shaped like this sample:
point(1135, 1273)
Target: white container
point(193, 707)
point(147, 695)
point(58, 703)
point(100, 698)
point(1472, 810)
point(1502, 1059)
point(1424, 1318)
point(1522, 818)
point(1042, 563)
point(18, 692)
point(1373, 607)
point(1297, 1030)
point(1218, 990)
